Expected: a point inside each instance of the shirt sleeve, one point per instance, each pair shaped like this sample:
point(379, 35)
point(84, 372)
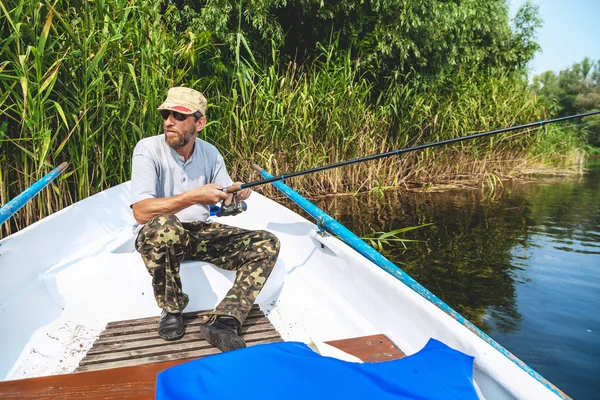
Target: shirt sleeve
point(144, 175)
point(220, 175)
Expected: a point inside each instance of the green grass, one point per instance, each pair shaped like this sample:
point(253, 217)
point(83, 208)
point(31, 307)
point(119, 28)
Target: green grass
point(559, 146)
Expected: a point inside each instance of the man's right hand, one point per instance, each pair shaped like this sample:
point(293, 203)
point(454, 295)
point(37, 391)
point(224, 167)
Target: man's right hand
point(208, 194)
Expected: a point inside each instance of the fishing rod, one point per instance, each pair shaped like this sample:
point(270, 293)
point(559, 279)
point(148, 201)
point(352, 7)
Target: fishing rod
point(235, 207)
point(237, 187)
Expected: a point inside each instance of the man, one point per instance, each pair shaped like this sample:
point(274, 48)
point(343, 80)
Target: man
point(175, 177)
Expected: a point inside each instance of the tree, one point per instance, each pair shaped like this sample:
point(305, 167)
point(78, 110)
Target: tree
point(437, 39)
point(574, 90)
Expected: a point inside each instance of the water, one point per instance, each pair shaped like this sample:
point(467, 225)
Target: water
point(522, 263)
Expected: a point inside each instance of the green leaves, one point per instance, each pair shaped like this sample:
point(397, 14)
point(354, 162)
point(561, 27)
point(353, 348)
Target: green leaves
point(44, 36)
point(526, 22)
point(573, 90)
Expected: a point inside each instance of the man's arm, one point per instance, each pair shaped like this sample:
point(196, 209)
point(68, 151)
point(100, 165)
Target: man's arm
point(145, 210)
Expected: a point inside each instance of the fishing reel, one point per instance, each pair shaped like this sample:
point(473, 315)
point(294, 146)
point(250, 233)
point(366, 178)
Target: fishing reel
point(233, 208)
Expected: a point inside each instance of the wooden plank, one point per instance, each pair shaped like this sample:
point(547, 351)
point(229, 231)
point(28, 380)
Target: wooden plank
point(141, 340)
point(138, 382)
point(187, 316)
point(150, 332)
point(164, 348)
point(151, 327)
point(373, 348)
point(195, 354)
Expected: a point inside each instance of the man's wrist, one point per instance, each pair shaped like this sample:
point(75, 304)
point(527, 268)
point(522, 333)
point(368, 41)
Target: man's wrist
point(185, 200)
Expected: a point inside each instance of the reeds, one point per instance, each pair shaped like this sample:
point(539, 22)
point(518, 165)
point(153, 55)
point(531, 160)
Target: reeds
point(81, 82)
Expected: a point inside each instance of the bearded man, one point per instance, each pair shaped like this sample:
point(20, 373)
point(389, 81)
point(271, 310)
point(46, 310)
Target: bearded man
point(175, 178)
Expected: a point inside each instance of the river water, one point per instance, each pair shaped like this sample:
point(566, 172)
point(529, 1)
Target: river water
point(521, 262)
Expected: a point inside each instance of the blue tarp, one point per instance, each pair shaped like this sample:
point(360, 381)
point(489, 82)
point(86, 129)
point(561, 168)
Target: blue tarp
point(291, 370)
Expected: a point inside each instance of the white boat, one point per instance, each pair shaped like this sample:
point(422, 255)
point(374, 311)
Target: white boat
point(68, 275)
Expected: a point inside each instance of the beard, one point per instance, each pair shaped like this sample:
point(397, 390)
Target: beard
point(180, 139)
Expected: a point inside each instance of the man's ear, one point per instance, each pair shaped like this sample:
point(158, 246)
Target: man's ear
point(200, 123)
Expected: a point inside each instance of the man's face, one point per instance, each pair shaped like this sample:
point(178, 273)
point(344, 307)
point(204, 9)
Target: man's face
point(179, 132)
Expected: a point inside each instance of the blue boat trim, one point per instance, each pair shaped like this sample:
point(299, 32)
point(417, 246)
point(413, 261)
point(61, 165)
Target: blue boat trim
point(373, 255)
point(10, 208)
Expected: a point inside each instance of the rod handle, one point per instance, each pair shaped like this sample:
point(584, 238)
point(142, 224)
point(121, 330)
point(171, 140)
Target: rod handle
point(236, 187)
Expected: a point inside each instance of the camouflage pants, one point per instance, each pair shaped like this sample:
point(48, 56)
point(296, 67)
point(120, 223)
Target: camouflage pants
point(164, 242)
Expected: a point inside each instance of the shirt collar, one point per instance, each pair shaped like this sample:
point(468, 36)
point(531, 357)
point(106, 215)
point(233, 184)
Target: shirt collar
point(179, 158)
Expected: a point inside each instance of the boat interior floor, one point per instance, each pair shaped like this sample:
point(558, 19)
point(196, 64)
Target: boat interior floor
point(136, 342)
point(124, 360)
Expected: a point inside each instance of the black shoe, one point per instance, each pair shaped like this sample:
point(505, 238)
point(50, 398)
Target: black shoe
point(224, 334)
point(170, 326)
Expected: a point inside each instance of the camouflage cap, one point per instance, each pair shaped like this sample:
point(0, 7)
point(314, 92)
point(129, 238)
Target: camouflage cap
point(184, 100)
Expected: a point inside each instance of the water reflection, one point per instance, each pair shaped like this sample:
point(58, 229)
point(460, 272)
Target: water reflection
point(523, 265)
point(464, 257)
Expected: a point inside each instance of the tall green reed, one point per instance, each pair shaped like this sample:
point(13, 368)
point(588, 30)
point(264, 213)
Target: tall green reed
point(291, 117)
point(81, 81)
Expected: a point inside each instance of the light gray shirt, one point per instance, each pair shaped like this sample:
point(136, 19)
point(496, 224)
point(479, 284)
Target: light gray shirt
point(158, 171)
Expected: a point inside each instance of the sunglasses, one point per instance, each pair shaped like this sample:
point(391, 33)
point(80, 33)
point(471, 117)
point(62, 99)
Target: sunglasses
point(177, 115)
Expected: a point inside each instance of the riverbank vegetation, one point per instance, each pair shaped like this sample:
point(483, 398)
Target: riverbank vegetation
point(291, 85)
point(574, 90)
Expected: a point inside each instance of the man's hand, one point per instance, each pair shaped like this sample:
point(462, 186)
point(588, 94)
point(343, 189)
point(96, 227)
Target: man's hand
point(242, 194)
point(208, 194)
point(239, 195)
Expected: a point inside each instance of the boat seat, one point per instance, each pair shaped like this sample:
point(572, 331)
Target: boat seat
point(125, 359)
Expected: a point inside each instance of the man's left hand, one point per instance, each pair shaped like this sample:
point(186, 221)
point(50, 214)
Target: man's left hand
point(242, 194)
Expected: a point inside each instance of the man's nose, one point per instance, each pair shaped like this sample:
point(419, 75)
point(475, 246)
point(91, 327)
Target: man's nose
point(170, 120)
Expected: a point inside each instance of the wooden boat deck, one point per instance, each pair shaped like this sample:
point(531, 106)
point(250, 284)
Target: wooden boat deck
point(125, 359)
point(135, 342)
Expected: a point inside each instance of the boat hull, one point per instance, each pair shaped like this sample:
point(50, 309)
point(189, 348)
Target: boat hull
point(71, 273)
